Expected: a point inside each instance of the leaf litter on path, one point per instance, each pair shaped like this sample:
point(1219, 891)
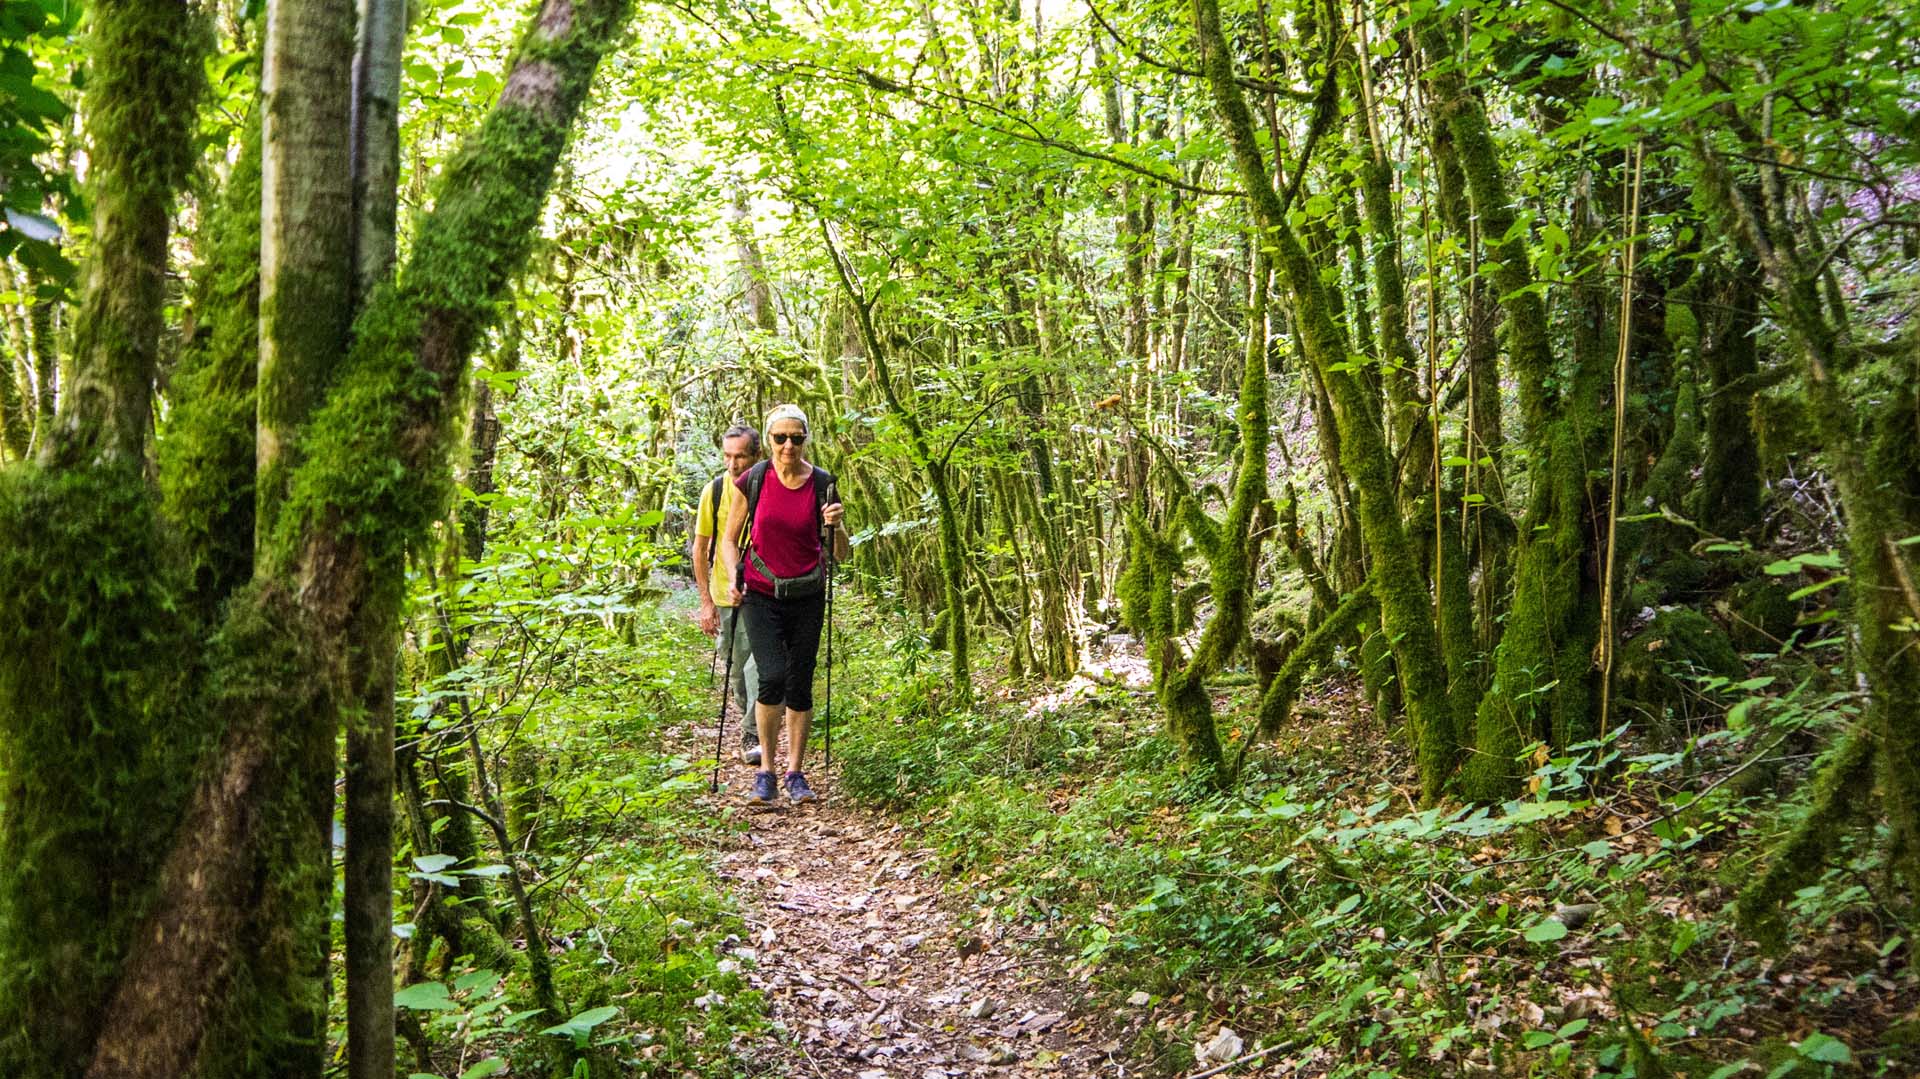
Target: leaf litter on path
point(869, 974)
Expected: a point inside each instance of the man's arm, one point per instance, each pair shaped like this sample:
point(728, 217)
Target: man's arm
point(705, 617)
point(730, 547)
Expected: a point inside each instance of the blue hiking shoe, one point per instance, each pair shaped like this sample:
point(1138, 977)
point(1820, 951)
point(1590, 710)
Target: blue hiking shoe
point(797, 789)
point(763, 788)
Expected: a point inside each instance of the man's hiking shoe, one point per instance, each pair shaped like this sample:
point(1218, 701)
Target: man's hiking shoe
point(797, 789)
point(763, 788)
point(750, 751)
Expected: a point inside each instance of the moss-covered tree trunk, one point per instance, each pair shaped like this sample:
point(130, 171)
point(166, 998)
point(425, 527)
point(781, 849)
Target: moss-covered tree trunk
point(137, 99)
point(370, 479)
point(1875, 460)
point(1729, 490)
point(373, 145)
point(1406, 610)
point(98, 664)
point(1147, 591)
point(935, 469)
point(1543, 679)
point(206, 447)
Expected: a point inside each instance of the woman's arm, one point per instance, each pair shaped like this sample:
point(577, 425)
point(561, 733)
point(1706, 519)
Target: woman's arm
point(832, 514)
point(730, 547)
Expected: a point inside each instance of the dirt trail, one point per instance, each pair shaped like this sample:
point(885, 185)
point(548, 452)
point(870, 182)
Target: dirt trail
point(862, 962)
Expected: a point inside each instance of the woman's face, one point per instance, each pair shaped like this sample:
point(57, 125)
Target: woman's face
point(785, 445)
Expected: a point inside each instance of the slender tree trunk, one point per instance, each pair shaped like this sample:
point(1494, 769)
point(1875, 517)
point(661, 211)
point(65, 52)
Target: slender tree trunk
point(374, 159)
point(935, 468)
point(42, 318)
point(108, 413)
point(16, 423)
point(1544, 680)
point(1406, 610)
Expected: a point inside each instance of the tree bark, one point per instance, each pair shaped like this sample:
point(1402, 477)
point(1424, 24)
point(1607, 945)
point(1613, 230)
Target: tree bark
point(145, 84)
point(374, 158)
point(1544, 679)
point(1406, 609)
point(306, 256)
point(97, 736)
point(370, 482)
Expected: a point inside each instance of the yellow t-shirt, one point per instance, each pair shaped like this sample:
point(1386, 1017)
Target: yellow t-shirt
point(705, 523)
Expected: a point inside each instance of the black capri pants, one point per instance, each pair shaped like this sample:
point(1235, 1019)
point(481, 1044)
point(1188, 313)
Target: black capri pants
point(785, 636)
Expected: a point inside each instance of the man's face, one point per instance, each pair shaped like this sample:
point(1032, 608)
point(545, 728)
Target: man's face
point(738, 453)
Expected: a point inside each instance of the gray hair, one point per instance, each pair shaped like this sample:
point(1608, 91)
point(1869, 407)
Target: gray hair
point(741, 430)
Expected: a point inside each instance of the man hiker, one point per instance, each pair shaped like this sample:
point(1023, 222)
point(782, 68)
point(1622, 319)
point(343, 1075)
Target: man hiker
point(739, 448)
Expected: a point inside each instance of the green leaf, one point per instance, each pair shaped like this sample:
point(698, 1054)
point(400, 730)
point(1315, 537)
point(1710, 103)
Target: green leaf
point(478, 981)
point(424, 997)
point(434, 863)
point(581, 1025)
point(1546, 930)
point(1825, 1049)
point(489, 1066)
point(1808, 590)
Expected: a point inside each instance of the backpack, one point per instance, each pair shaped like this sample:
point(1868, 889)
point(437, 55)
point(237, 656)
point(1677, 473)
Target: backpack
point(808, 583)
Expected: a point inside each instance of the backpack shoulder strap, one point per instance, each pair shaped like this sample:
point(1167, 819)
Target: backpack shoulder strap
point(756, 478)
point(713, 531)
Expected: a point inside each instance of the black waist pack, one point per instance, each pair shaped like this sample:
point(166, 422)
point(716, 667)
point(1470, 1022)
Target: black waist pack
point(810, 583)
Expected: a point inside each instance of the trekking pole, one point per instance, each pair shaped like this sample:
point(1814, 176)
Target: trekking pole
point(726, 685)
point(827, 714)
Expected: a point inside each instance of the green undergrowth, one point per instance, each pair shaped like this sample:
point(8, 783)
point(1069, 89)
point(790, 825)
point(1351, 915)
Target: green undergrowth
point(639, 930)
point(1585, 928)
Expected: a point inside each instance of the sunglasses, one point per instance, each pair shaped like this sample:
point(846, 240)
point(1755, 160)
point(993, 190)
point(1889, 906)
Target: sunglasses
point(782, 438)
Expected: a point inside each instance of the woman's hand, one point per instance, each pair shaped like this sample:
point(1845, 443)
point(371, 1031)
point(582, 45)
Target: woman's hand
point(735, 596)
point(831, 512)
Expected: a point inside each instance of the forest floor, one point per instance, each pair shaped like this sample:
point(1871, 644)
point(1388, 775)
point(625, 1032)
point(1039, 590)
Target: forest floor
point(865, 968)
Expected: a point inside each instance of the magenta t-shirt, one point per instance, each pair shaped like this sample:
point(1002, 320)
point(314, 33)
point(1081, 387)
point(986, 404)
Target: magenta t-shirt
point(784, 530)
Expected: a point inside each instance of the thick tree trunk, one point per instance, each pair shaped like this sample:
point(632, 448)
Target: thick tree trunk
point(97, 665)
point(371, 480)
point(1730, 471)
point(1543, 669)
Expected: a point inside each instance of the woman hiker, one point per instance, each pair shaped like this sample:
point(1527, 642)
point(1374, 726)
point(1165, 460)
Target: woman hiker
point(784, 598)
